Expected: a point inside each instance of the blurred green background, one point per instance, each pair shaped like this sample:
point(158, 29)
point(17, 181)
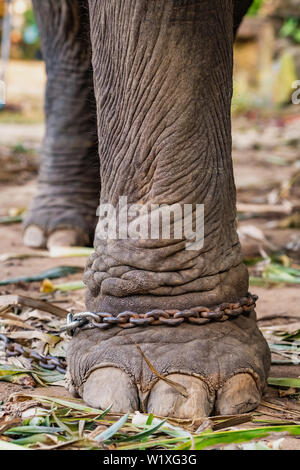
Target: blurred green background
point(267, 51)
point(25, 42)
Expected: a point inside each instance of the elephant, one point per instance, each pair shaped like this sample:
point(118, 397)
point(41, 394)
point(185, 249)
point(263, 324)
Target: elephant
point(138, 104)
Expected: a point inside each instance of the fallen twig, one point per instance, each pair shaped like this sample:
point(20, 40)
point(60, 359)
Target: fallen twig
point(20, 300)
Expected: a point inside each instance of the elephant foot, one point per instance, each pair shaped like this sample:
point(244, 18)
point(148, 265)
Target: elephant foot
point(195, 371)
point(35, 237)
point(63, 211)
point(60, 219)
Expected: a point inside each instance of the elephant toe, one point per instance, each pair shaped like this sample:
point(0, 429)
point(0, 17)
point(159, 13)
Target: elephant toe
point(166, 401)
point(110, 386)
point(34, 237)
point(238, 395)
point(68, 237)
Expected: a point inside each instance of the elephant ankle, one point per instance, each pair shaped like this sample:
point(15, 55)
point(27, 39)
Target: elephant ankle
point(114, 286)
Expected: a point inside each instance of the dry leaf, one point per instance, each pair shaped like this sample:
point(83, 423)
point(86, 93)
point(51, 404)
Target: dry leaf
point(49, 339)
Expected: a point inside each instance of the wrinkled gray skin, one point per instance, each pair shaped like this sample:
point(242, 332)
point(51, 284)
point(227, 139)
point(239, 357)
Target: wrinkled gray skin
point(162, 74)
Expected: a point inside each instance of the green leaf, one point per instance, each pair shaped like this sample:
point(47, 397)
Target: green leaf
point(284, 382)
point(259, 281)
point(15, 219)
point(296, 35)
point(54, 273)
point(42, 376)
point(34, 439)
point(208, 439)
point(105, 412)
point(141, 435)
point(278, 273)
point(13, 256)
point(150, 419)
point(63, 425)
point(295, 335)
point(69, 404)
point(236, 437)
point(108, 433)
point(69, 286)
point(10, 446)
point(7, 369)
point(255, 7)
point(289, 27)
point(70, 251)
point(32, 430)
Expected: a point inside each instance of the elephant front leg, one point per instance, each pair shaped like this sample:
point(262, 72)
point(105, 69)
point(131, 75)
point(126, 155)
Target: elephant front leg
point(63, 211)
point(163, 75)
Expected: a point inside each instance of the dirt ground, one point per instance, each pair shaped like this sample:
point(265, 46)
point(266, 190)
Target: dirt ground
point(266, 154)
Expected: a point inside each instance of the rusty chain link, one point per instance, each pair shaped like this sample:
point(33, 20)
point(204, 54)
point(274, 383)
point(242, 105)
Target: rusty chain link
point(196, 315)
point(48, 362)
point(87, 320)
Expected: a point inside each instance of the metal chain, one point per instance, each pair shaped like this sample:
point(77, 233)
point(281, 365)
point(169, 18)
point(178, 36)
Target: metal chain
point(48, 362)
point(196, 316)
point(87, 320)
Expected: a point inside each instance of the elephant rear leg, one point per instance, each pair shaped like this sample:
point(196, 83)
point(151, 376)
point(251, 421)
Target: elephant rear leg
point(63, 211)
